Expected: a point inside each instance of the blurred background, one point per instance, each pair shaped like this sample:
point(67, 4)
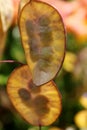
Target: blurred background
point(72, 78)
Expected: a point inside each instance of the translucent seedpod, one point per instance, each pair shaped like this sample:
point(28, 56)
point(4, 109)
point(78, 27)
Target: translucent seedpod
point(39, 106)
point(6, 14)
point(22, 4)
point(6, 18)
point(43, 37)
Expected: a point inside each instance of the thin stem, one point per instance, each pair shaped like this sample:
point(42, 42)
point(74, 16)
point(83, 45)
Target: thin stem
point(39, 127)
point(10, 61)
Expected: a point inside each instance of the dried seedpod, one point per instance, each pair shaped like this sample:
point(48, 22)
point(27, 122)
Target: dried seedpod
point(43, 37)
point(22, 3)
point(39, 106)
point(6, 18)
point(6, 14)
point(2, 41)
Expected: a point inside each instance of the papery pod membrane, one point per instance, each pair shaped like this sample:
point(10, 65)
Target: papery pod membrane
point(22, 4)
point(2, 40)
point(6, 13)
point(6, 18)
point(39, 106)
point(43, 37)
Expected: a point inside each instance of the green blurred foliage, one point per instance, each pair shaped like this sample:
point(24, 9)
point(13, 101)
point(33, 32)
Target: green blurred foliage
point(13, 51)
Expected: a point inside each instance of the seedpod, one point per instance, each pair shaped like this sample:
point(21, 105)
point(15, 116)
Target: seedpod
point(6, 17)
point(43, 38)
point(39, 106)
point(22, 4)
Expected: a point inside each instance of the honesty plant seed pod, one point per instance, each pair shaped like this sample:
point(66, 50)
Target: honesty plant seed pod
point(39, 106)
point(43, 37)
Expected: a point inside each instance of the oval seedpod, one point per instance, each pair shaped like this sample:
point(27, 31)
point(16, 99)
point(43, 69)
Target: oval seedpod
point(2, 42)
point(39, 106)
point(43, 37)
point(6, 18)
point(22, 3)
point(6, 14)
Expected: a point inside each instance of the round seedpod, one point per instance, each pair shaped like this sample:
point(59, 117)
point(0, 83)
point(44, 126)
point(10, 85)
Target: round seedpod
point(43, 38)
point(39, 106)
point(22, 4)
